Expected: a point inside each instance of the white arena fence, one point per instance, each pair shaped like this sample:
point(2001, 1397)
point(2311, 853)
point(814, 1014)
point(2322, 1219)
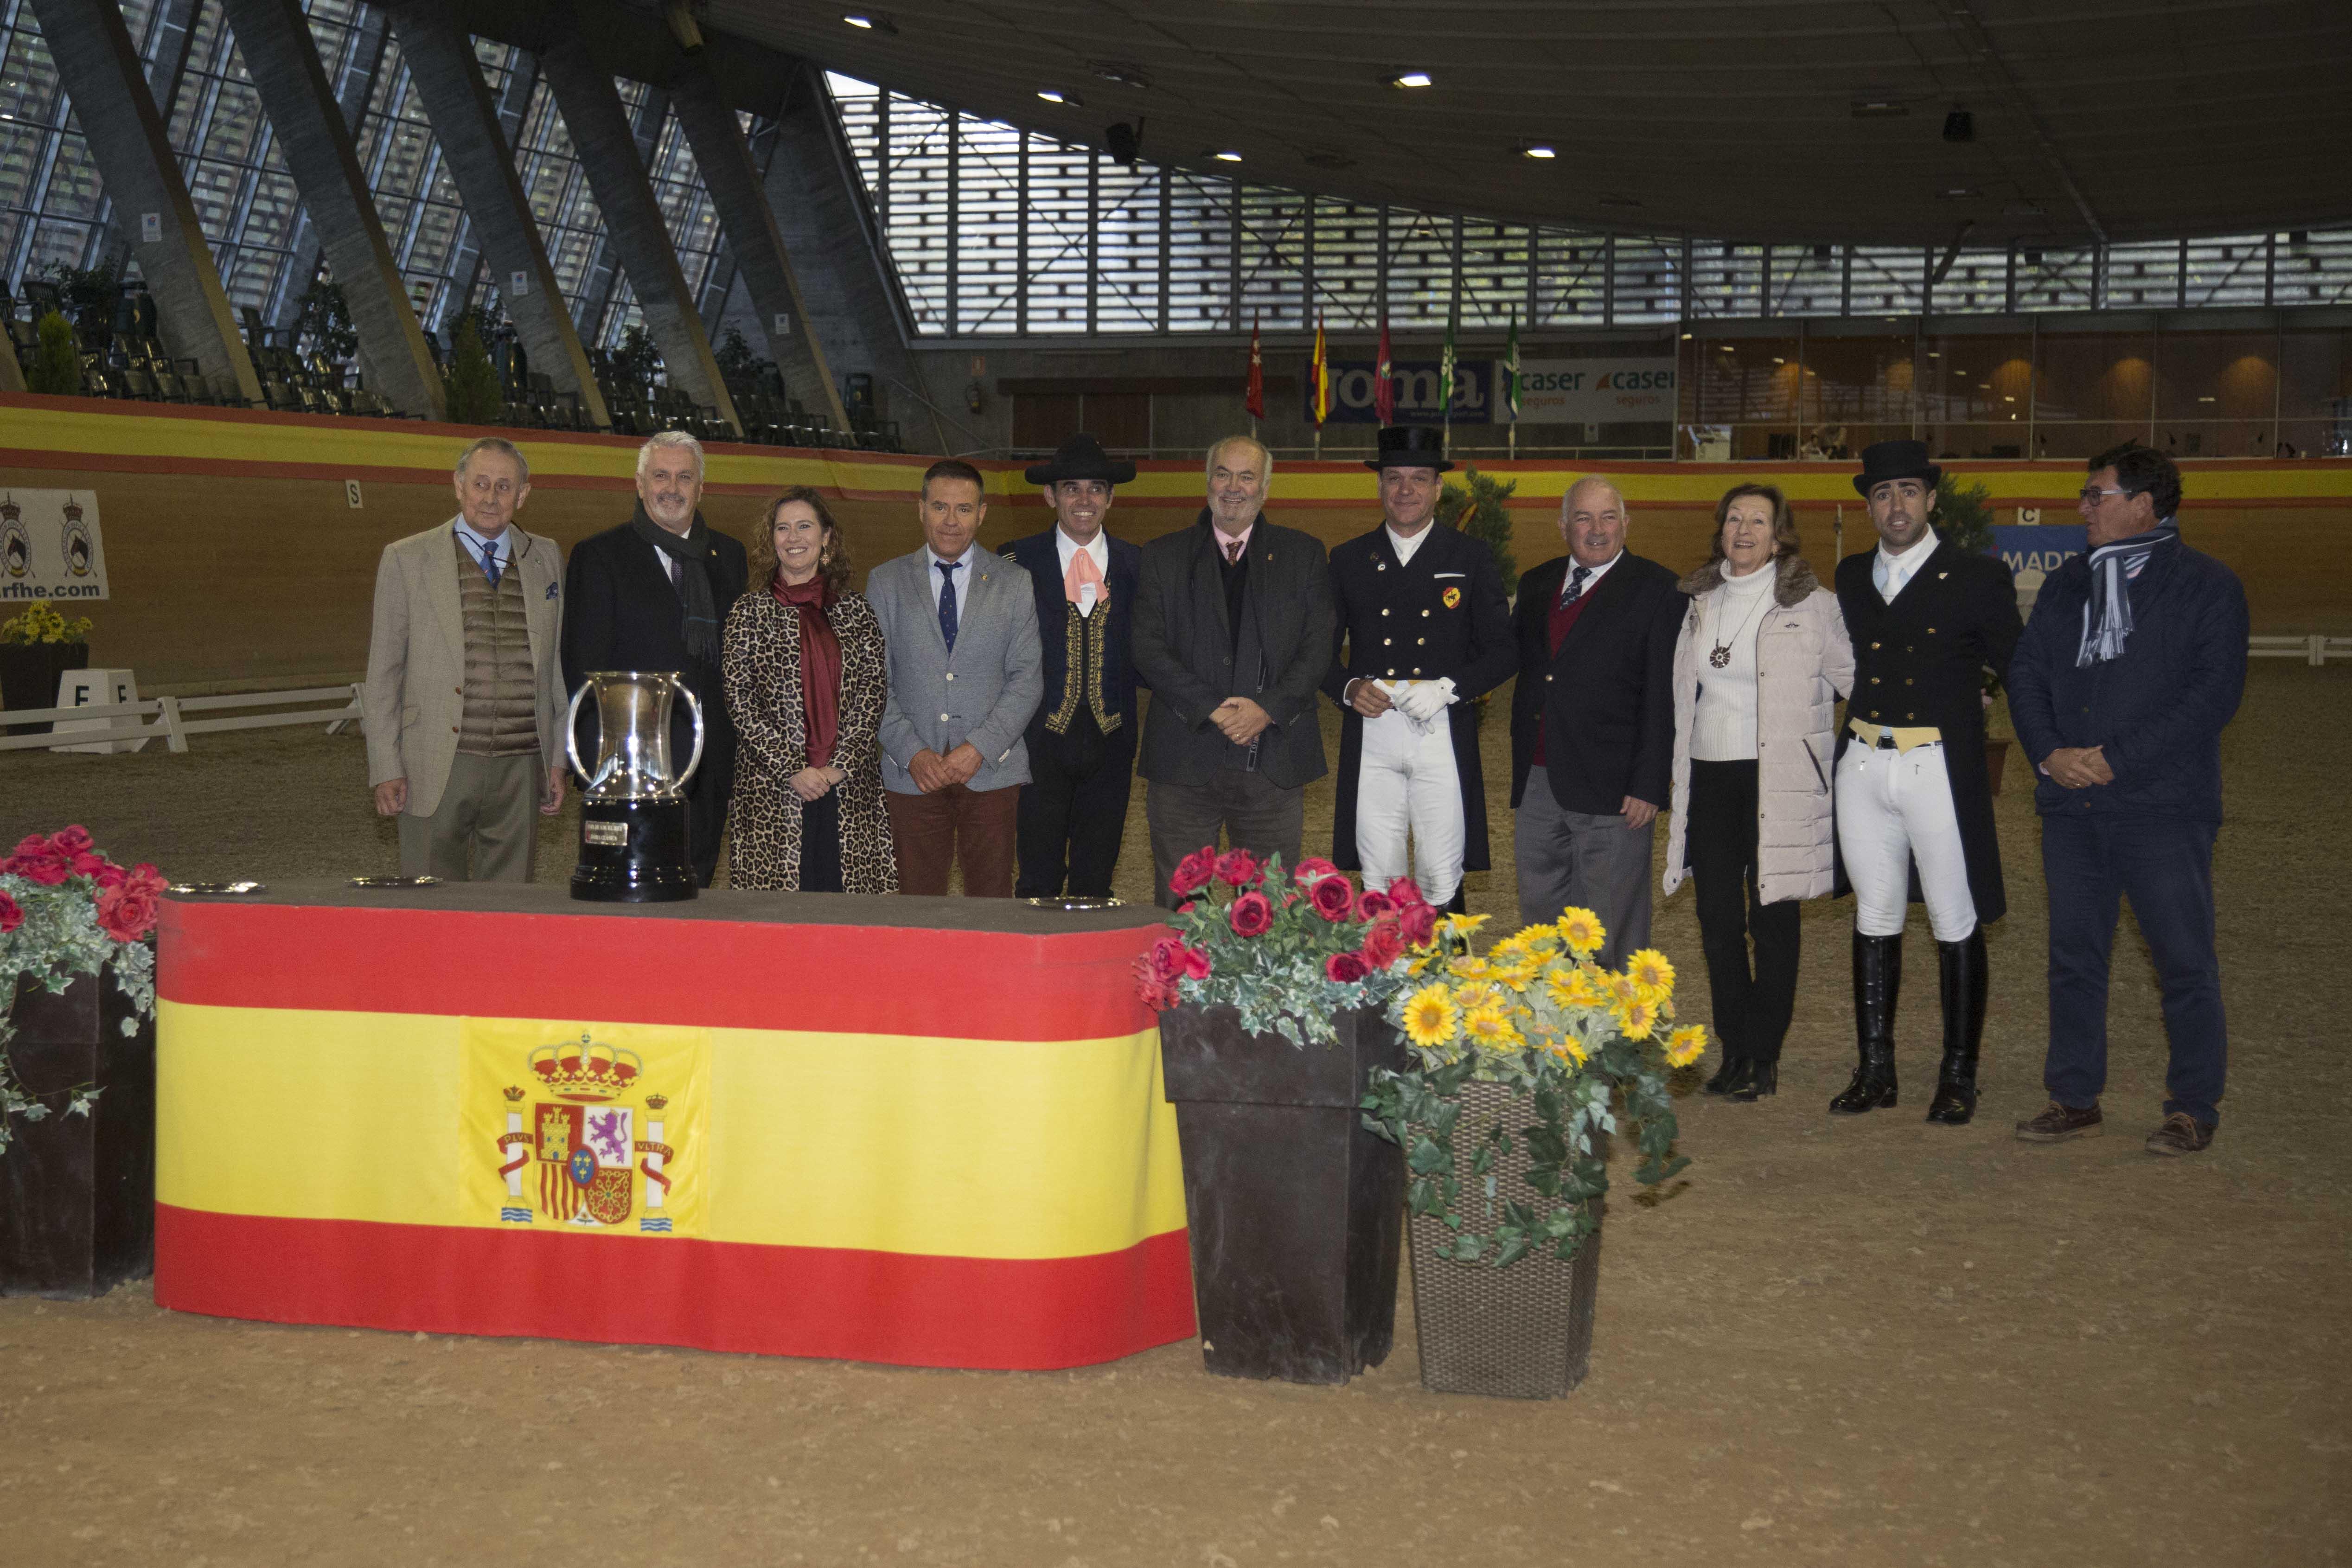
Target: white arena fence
point(129, 726)
point(2311, 650)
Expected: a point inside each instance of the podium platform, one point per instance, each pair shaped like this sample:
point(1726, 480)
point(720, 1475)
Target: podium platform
point(928, 1131)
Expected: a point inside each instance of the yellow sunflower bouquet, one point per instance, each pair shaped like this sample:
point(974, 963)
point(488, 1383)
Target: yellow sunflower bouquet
point(1570, 1041)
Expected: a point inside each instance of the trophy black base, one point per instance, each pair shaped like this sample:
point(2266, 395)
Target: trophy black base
point(633, 852)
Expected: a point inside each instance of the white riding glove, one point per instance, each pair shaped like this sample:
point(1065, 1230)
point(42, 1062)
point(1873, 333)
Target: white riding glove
point(1423, 700)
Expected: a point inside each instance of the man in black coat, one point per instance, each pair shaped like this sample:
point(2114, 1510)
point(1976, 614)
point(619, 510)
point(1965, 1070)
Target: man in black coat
point(1592, 721)
point(1082, 741)
point(1912, 796)
point(1426, 632)
point(1232, 633)
point(653, 594)
point(2133, 661)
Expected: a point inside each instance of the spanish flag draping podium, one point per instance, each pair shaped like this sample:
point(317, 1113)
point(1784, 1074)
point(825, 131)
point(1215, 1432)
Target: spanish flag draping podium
point(928, 1131)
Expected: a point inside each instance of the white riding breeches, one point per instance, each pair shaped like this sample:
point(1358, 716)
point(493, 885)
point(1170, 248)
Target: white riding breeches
point(1895, 807)
point(1406, 781)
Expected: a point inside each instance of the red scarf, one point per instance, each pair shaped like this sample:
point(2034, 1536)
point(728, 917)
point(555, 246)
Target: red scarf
point(820, 664)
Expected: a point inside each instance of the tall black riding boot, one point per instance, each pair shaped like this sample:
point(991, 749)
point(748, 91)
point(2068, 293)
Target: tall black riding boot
point(1877, 980)
point(1962, 967)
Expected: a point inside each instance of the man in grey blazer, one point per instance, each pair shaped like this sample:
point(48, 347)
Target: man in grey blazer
point(1232, 633)
point(966, 672)
point(464, 695)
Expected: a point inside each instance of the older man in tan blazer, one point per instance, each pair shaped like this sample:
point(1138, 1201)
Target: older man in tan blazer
point(465, 691)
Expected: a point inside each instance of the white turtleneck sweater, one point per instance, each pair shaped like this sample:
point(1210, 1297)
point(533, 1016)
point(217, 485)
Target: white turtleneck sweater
point(1723, 728)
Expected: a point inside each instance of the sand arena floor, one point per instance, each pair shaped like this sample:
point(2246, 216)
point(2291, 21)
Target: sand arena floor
point(1853, 1341)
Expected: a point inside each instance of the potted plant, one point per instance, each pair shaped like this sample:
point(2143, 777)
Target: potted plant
point(1519, 1063)
point(77, 1068)
point(36, 645)
point(1274, 1018)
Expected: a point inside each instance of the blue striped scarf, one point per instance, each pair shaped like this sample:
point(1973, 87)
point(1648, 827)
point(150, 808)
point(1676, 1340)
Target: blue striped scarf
point(2108, 618)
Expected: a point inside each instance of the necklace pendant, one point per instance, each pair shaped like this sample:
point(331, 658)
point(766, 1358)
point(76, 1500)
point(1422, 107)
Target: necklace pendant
point(1720, 657)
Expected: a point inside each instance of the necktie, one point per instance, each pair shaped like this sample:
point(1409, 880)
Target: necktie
point(490, 562)
point(947, 602)
point(1576, 581)
point(1082, 576)
point(1233, 548)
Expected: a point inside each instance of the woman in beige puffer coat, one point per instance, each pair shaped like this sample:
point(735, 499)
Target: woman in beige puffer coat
point(1761, 662)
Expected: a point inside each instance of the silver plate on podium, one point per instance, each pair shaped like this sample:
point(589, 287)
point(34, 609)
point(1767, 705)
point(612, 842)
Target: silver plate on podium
point(231, 888)
point(1076, 901)
point(395, 882)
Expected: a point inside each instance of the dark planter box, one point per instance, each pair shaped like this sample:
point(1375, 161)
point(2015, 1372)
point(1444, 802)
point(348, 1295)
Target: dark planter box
point(1522, 1333)
point(1295, 1209)
point(28, 676)
point(78, 1192)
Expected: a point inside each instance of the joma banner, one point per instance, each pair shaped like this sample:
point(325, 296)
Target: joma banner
point(1353, 380)
point(49, 545)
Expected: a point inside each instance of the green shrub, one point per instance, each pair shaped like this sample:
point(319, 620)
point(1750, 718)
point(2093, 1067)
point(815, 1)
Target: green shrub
point(1476, 509)
point(473, 380)
point(56, 367)
point(1963, 515)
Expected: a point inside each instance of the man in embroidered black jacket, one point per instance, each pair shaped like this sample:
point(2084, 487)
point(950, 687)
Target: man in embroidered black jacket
point(1082, 737)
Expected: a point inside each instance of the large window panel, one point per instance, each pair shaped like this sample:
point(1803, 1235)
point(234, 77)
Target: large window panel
point(1420, 270)
point(987, 227)
point(1495, 260)
point(1127, 265)
point(1059, 224)
point(1274, 258)
point(1347, 278)
point(1201, 253)
point(1571, 278)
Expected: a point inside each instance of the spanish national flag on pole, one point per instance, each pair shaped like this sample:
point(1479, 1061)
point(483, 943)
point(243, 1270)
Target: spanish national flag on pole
point(1319, 375)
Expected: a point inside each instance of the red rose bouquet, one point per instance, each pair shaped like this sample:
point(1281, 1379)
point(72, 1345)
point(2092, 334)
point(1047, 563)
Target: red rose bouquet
point(1289, 949)
point(66, 911)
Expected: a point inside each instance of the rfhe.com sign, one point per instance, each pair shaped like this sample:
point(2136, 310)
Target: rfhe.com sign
point(50, 547)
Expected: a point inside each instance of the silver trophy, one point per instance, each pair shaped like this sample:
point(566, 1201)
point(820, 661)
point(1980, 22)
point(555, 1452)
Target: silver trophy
point(634, 848)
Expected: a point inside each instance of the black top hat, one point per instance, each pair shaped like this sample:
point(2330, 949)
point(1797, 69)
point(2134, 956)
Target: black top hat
point(1080, 457)
point(1411, 446)
point(1885, 460)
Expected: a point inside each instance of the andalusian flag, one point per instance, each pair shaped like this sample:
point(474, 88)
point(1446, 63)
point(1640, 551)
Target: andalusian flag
point(1445, 374)
point(1511, 373)
point(1384, 381)
point(1253, 397)
point(1318, 378)
point(876, 1143)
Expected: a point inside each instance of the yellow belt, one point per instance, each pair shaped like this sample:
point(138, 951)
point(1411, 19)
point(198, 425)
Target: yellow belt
point(1905, 738)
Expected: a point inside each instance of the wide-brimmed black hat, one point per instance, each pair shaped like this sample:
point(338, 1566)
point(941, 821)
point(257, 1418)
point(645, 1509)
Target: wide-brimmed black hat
point(1885, 460)
point(1411, 446)
point(1080, 457)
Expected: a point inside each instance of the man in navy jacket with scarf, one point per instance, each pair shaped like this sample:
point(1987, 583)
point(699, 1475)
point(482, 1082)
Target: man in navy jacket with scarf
point(2133, 661)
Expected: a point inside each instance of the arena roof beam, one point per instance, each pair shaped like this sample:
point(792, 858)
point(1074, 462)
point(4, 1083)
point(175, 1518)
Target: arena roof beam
point(724, 161)
point(634, 227)
point(440, 57)
point(283, 61)
point(101, 72)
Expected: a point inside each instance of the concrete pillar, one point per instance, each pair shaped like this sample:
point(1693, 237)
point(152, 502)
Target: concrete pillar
point(103, 74)
point(439, 54)
point(283, 62)
point(607, 147)
point(725, 160)
point(851, 315)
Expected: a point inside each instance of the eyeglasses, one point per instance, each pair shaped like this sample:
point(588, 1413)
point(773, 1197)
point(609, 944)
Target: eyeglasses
point(2090, 493)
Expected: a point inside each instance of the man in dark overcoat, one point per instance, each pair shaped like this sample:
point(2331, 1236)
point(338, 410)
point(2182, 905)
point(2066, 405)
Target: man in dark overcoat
point(1232, 633)
point(653, 594)
point(1914, 800)
point(1424, 632)
point(1082, 738)
point(2133, 663)
point(1592, 721)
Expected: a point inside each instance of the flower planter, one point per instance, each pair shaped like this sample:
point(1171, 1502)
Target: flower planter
point(28, 676)
point(1996, 760)
point(1524, 1332)
point(78, 1192)
point(1294, 1207)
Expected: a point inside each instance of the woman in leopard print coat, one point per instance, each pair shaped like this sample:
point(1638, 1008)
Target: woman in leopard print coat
point(785, 801)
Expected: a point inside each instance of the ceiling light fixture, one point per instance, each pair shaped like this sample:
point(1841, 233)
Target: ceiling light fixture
point(1071, 99)
point(1538, 150)
point(1879, 108)
point(1227, 156)
point(866, 23)
point(1125, 75)
point(1410, 78)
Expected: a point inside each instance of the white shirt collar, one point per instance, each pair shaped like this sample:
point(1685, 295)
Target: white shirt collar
point(1894, 571)
point(1407, 548)
point(933, 560)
